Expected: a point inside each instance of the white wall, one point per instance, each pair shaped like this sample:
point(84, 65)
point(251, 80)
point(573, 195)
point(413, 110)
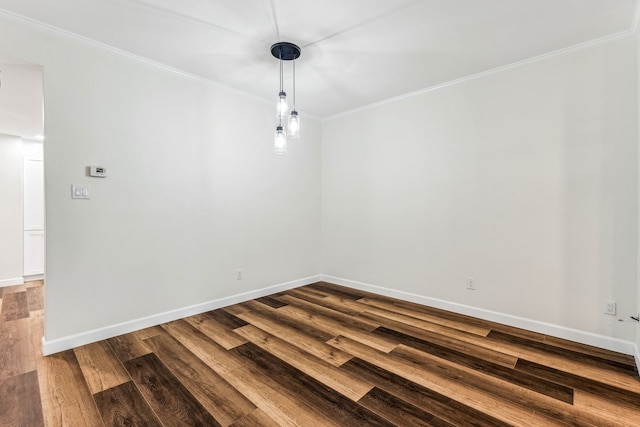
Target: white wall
point(32, 148)
point(524, 179)
point(637, 312)
point(194, 190)
point(10, 210)
point(21, 100)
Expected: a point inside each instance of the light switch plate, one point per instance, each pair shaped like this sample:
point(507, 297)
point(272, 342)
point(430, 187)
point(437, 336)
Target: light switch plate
point(80, 192)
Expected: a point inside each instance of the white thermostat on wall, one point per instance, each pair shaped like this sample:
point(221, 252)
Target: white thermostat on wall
point(97, 171)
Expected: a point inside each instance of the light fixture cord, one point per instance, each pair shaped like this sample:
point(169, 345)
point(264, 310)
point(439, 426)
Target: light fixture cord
point(281, 84)
point(281, 78)
point(294, 83)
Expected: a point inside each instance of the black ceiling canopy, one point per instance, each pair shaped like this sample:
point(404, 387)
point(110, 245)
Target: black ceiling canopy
point(285, 51)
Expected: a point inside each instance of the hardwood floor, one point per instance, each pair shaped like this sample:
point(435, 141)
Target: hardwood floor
point(319, 355)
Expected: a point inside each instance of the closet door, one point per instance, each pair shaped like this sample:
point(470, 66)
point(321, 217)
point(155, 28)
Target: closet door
point(33, 216)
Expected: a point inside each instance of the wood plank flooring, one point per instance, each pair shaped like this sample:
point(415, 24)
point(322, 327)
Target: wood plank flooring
point(319, 355)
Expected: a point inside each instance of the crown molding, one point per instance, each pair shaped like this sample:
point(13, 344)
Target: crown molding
point(59, 32)
point(534, 59)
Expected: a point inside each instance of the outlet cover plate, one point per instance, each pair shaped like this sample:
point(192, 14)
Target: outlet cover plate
point(471, 283)
point(610, 308)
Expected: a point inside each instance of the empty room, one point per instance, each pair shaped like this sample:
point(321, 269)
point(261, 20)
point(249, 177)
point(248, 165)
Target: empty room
point(336, 213)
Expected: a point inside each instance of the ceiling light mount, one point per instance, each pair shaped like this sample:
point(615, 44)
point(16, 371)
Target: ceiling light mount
point(285, 51)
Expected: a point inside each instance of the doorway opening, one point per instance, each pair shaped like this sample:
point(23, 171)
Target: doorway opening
point(22, 201)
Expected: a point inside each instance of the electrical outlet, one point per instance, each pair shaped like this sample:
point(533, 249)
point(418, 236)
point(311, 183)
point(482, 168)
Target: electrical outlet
point(239, 274)
point(610, 308)
point(471, 283)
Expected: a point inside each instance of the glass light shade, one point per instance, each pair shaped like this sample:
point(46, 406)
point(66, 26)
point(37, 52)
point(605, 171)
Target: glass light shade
point(282, 108)
point(294, 125)
point(280, 141)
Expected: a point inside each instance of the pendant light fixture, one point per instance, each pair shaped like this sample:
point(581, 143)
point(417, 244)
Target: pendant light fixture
point(294, 119)
point(285, 51)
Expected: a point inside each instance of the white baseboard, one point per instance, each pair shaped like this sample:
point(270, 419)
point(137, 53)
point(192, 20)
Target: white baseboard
point(33, 277)
point(602, 341)
point(68, 342)
point(11, 282)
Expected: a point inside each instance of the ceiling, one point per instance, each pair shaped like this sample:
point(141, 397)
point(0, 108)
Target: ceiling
point(354, 52)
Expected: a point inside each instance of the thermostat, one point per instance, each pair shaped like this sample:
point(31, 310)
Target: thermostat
point(97, 171)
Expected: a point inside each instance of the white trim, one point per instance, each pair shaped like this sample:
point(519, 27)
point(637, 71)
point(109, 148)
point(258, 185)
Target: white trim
point(11, 282)
point(33, 277)
point(636, 355)
point(481, 74)
point(72, 341)
point(589, 338)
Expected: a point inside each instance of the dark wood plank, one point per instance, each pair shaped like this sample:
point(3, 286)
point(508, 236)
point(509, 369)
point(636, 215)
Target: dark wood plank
point(309, 291)
point(449, 338)
point(227, 319)
point(339, 291)
point(129, 346)
point(581, 357)
point(123, 405)
point(306, 338)
point(333, 405)
point(398, 411)
point(602, 389)
point(531, 382)
point(168, 398)
point(439, 405)
point(312, 308)
point(416, 369)
point(389, 305)
point(271, 302)
point(522, 397)
point(333, 327)
point(15, 305)
point(599, 353)
point(338, 379)
point(326, 300)
point(293, 324)
point(20, 403)
point(218, 397)
point(278, 403)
